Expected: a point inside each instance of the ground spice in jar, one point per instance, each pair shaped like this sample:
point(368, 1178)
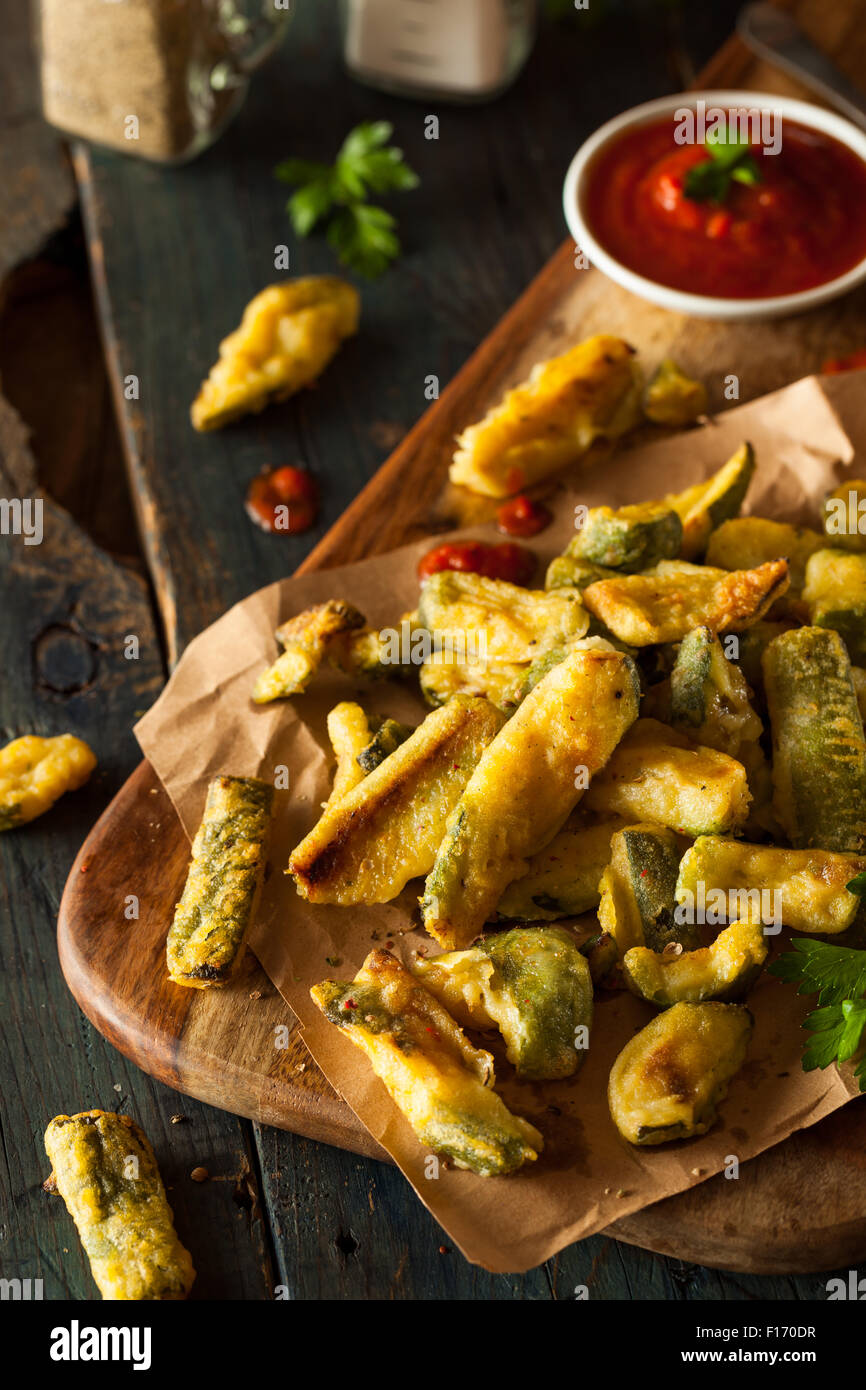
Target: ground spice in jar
point(149, 77)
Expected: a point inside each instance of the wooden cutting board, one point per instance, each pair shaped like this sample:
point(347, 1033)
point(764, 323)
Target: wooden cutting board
point(799, 1207)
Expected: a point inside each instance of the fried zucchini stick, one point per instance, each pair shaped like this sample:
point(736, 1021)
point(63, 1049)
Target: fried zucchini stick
point(106, 1173)
point(206, 939)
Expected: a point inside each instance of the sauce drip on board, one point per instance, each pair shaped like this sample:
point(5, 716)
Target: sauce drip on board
point(285, 501)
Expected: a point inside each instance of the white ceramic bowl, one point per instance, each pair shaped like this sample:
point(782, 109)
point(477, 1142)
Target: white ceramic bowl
point(703, 305)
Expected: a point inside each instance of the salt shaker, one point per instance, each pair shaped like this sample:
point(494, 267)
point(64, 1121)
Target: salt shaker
point(453, 50)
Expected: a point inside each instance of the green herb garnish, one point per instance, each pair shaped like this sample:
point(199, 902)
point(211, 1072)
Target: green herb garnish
point(857, 884)
point(837, 974)
point(361, 233)
point(730, 160)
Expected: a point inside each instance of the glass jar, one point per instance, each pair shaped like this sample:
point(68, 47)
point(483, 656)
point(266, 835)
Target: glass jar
point(450, 50)
point(155, 78)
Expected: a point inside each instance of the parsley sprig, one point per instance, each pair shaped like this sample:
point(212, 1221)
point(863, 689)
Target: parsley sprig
point(361, 233)
point(837, 974)
point(730, 160)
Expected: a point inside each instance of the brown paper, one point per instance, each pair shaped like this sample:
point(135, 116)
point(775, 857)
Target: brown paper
point(805, 438)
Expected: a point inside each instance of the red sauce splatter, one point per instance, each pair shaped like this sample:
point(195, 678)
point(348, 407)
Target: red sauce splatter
point(285, 500)
point(803, 225)
point(522, 517)
point(513, 563)
point(852, 363)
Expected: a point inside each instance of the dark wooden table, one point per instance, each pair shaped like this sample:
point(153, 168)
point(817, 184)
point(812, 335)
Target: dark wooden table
point(278, 1210)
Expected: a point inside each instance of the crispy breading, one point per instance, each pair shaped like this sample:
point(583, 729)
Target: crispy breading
point(440, 1081)
point(287, 336)
point(664, 603)
point(106, 1173)
point(550, 420)
point(35, 772)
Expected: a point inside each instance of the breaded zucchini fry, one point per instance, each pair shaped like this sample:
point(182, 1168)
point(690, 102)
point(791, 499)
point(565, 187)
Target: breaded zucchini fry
point(810, 884)
point(499, 682)
point(659, 776)
point(527, 782)
point(441, 1083)
point(724, 970)
point(326, 631)
point(710, 697)
point(819, 751)
point(590, 391)
point(634, 538)
point(637, 890)
point(672, 398)
point(106, 1173)
point(835, 591)
point(488, 632)
point(566, 571)
point(707, 505)
point(207, 937)
point(287, 336)
point(360, 744)
point(629, 538)
point(669, 1079)
point(663, 604)
point(349, 731)
point(533, 984)
point(386, 738)
point(518, 625)
point(562, 879)
point(749, 541)
point(386, 830)
point(35, 772)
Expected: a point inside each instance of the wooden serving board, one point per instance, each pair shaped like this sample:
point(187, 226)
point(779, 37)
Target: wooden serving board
point(799, 1207)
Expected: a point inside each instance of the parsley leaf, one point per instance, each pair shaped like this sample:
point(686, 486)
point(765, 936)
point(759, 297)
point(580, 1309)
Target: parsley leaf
point(858, 884)
point(833, 973)
point(309, 205)
point(363, 239)
point(361, 233)
point(836, 1032)
point(837, 974)
point(730, 158)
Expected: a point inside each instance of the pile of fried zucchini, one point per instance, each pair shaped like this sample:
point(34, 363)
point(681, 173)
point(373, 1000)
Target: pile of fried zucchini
point(668, 735)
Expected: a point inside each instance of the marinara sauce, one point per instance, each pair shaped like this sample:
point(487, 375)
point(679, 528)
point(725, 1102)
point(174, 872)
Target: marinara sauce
point(508, 561)
point(521, 516)
point(284, 499)
point(802, 225)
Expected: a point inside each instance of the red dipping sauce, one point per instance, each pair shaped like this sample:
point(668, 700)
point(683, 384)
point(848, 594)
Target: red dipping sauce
point(513, 563)
point(522, 517)
point(286, 500)
point(803, 225)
